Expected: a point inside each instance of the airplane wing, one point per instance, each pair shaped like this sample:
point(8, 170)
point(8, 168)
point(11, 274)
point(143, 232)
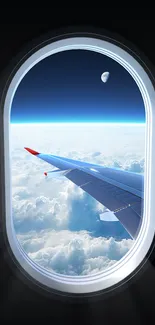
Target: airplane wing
point(118, 190)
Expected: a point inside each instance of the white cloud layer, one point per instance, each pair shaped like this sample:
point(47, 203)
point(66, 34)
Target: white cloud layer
point(56, 222)
point(73, 253)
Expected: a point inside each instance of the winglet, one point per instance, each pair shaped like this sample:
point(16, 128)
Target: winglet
point(33, 152)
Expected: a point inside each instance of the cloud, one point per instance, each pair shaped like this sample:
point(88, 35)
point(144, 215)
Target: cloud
point(135, 166)
point(72, 209)
point(73, 253)
point(117, 164)
point(96, 154)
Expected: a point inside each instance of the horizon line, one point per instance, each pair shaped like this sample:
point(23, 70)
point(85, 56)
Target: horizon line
point(78, 123)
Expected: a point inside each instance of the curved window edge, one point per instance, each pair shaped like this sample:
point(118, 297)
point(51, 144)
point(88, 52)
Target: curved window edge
point(122, 269)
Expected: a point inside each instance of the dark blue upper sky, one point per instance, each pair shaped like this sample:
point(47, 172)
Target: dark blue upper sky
point(67, 87)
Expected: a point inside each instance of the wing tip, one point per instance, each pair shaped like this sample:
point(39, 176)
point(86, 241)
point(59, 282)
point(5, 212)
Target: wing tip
point(33, 152)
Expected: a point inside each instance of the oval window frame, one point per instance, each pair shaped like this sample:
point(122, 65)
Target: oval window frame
point(136, 255)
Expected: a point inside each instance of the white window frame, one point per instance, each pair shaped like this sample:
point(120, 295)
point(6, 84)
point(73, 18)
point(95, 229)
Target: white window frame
point(136, 255)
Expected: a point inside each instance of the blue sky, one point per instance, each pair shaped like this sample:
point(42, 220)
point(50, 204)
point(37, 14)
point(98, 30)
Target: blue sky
point(67, 87)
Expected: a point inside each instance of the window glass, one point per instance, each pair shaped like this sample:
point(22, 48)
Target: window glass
point(84, 112)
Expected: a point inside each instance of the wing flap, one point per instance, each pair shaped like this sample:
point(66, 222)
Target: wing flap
point(130, 219)
point(126, 206)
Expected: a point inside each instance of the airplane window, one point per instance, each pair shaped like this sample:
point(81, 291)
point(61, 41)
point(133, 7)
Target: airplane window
point(79, 153)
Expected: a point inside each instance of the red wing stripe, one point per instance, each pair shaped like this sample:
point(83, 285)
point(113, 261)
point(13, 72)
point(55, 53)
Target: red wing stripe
point(33, 152)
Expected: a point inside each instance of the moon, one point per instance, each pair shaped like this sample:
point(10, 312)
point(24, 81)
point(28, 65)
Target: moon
point(105, 76)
